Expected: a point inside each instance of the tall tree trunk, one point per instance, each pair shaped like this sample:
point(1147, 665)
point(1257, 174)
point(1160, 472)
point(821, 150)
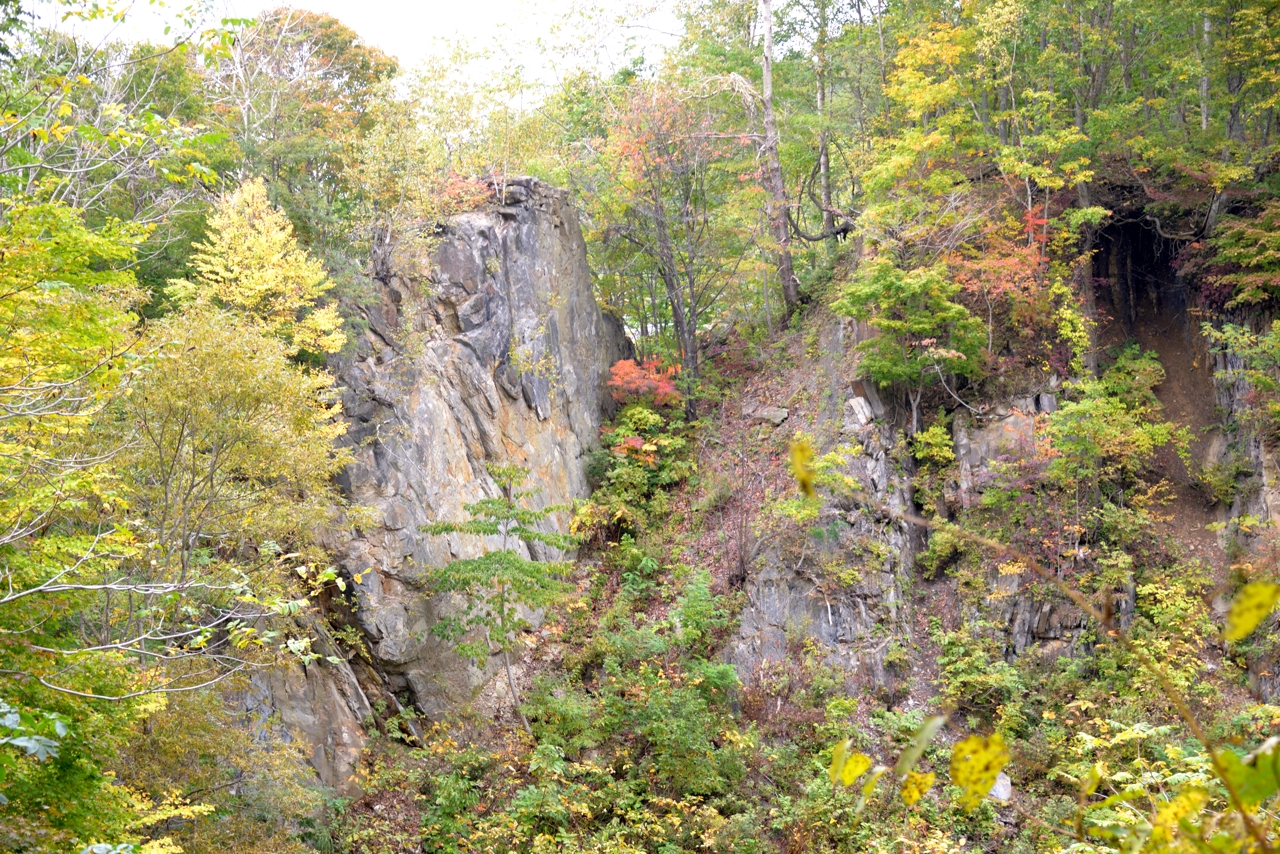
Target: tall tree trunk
point(775, 186)
point(824, 169)
point(1204, 80)
point(1084, 281)
point(508, 494)
point(686, 332)
point(1235, 118)
point(515, 697)
point(824, 153)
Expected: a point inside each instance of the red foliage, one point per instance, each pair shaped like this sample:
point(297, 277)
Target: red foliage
point(646, 381)
point(634, 447)
point(460, 193)
point(1033, 225)
point(1006, 270)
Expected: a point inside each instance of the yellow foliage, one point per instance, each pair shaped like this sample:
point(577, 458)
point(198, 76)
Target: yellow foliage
point(923, 840)
point(252, 264)
point(802, 466)
point(1251, 605)
point(258, 783)
point(1187, 804)
point(975, 763)
point(847, 767)
point(164, 845)
point(246, 450)
point(915, 786)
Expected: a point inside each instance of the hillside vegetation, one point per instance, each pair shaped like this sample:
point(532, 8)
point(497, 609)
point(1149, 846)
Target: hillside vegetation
point(954, 323)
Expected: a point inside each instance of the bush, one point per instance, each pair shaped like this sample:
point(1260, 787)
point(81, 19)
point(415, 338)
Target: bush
point(978, 681)
point(647, 382)
point(644, 453)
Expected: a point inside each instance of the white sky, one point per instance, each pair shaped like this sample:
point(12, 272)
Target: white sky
point(411, 31)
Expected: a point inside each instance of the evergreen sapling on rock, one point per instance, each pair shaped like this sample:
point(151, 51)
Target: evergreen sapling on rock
point(496, 584)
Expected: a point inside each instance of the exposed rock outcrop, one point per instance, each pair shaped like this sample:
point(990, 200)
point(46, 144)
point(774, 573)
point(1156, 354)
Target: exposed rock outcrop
point(842, 586)
point(842, 589)
point(499, 355)
point(501, 358)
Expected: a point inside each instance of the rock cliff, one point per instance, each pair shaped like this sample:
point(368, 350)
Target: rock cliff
point(496, 353)
point(836, 579)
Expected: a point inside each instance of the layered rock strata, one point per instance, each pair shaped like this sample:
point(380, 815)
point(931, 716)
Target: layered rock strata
point(486, 348)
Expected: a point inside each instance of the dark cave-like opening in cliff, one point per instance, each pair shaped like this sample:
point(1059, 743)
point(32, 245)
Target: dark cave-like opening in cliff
point(1135, 283)
point(1141, 299)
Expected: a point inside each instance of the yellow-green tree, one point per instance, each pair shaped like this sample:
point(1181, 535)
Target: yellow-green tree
point(155, 516)
point(251, 264)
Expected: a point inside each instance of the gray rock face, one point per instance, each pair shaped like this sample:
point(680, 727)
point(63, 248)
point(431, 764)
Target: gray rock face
point(795, 592)
point(504, 360)
point(842, 589)
point(499, 356)
point(322, 705)
point(977, 444)
point(774, 415)
point(1046, 624)
point(1002, 790)
point(857, 414)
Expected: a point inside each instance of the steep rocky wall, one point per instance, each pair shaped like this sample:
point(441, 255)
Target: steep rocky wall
point(847, 579)
point(844, 588)
point(496, 353)
point(502, 357)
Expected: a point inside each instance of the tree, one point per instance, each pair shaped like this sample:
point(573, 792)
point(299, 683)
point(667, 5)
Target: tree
point(194, 505)
point(1246, 253)
point(777, 187)
point(294, 90)
point(82, 125)
point(147, 504)
point(251, 781)
point(228, 466)
point(500, 582)
point(168, 552)
point(63, 302)
point(671, 216)
point(922, 334)
point(251, 263)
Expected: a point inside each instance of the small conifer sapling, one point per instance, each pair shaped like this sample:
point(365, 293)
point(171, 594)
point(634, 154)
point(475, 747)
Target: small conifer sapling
point(496, 584)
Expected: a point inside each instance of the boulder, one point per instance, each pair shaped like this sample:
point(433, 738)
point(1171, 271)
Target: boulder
point(857, 414)
point(774, 415)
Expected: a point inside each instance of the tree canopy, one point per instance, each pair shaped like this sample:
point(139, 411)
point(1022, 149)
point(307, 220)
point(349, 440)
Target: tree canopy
point(998, 277)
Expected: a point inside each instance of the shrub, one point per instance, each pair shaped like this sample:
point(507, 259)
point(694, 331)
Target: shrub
point(978, 681)
point(644, 453)
point(646, 382)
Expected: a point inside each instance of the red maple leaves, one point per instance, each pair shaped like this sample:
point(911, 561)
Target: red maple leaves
point(647, 381)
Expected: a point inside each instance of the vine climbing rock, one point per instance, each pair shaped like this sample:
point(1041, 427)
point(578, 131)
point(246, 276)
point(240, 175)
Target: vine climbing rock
point(489, 347)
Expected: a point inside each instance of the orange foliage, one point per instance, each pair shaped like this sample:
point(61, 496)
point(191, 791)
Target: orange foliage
point(637, 449)
point(461, 193)
point(1007, 269)
point(645, 381)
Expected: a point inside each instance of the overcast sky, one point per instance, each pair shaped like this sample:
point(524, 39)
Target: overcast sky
point(411, 30)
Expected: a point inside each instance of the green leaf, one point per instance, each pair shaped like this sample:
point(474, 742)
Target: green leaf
point(868, 787)
point(907, 761)
point(1256, 777)
point(838, 756)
